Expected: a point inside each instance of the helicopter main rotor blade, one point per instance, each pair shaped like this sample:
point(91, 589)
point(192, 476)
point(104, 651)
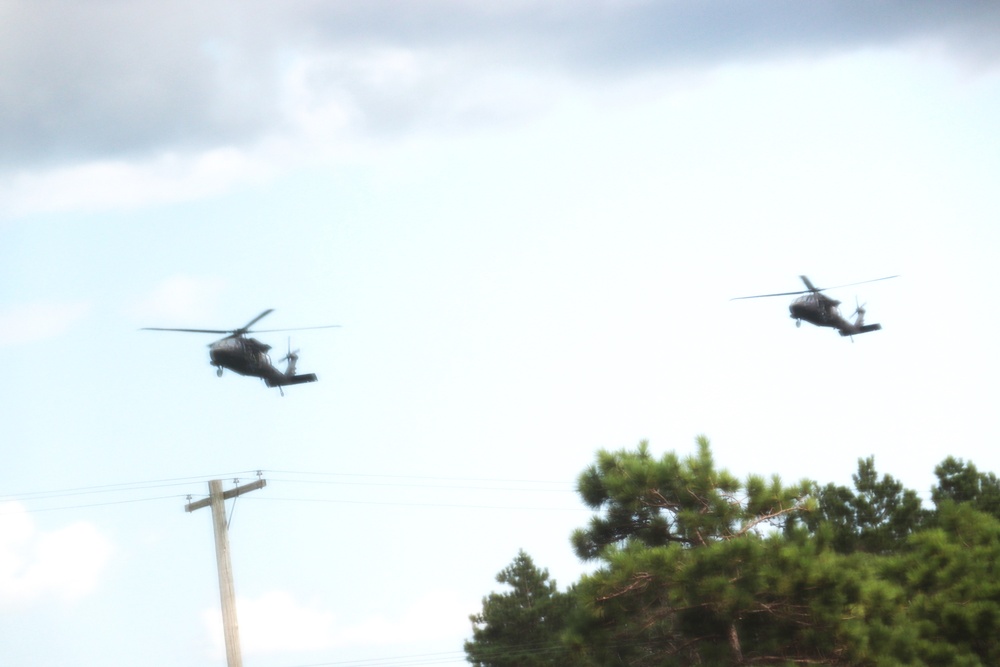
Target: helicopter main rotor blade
point(873, 280)
point(812, 288)
point(246, 327)
point(211, 331)
point(325, 326)
point(761, 296)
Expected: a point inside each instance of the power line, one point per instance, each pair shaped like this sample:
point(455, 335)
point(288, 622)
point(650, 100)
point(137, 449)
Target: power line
point(397, 485)
point(417, 504)
point(434, 477)
point(110, 488)
point(448, 658)
point(445, 487)
point(180, 481)
point(509, 651)
point(355, 480)
point(75, 507)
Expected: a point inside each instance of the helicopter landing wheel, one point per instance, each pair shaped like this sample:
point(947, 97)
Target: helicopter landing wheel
point(798, 323)
point(218, 371)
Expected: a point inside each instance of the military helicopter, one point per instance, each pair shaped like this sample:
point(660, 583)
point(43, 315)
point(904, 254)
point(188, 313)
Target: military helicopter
point(819, 309)
point(248, 356)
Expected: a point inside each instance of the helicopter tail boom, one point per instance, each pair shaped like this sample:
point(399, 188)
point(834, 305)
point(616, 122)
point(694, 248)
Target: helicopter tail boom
point(285, 380)
point(860, 330)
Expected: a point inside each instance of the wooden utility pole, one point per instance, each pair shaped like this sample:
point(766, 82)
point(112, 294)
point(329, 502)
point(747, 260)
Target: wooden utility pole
point(217, 501)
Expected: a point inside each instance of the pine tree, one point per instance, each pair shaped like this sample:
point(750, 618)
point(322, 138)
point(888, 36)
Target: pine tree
point(683, 546)
point(875, 517)
point(961, 482)
point(695, 566)
point(520, 627)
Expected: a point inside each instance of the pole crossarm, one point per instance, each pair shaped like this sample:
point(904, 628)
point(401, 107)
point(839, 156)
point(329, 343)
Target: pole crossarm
point(231, 493)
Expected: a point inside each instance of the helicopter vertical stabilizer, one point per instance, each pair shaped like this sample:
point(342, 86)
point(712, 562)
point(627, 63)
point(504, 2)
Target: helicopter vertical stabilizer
point(859, 322)
point(290, 369)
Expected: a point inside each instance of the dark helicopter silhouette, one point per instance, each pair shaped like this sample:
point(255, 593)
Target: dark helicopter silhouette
point(248, 356)
point(819, 309)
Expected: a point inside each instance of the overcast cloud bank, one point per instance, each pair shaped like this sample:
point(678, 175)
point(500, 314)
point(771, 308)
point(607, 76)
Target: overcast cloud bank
point(137, 80)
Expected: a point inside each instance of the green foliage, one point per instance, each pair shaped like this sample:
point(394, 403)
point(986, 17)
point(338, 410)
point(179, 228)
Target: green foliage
point(694, 566)
point(521, 626)
point(951, 576)
point(683, 549)
point(876, 517)
point(673, 501)
point(960, 482)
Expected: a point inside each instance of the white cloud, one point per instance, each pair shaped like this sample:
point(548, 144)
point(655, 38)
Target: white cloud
point(200, 75)
point(436, 615)
point(182, 298)
point(276, 622)
point(123, 184)
point(39, 321)
point(214, 104)
point(65, 564)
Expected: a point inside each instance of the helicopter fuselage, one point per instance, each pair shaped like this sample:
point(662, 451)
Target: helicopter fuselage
point(248, 356)
point(817, 309)
point(820, 310)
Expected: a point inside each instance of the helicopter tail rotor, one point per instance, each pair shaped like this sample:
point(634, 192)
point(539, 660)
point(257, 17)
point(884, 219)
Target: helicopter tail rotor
point(859, 326)
point(291, 358)
point(859, 312)
point(291, 354)
point(289, 377)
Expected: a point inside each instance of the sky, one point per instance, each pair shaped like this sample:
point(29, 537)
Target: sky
point(529, 220)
